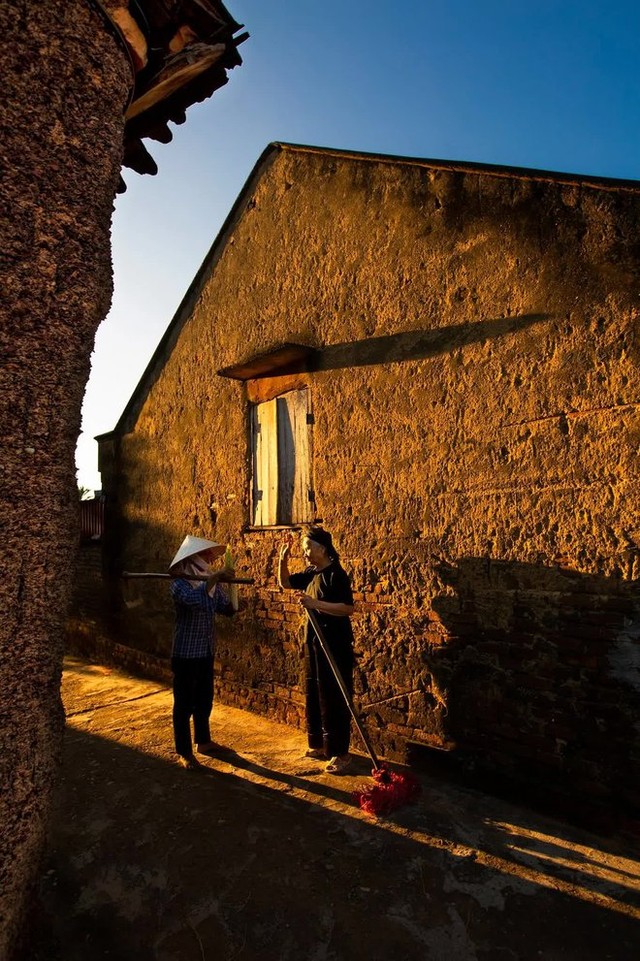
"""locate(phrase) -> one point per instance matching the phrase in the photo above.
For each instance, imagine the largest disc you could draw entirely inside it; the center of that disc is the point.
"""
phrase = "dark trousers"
(328, 717)
(192, 697)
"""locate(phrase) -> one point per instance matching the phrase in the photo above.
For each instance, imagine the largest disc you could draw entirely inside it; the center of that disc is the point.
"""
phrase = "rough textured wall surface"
(476, 431)
(66, 80)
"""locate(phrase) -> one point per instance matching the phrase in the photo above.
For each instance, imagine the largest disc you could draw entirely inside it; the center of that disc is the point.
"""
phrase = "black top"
(330, 584)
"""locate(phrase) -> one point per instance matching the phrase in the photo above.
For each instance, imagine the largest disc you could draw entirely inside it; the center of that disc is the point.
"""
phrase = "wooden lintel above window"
(261, 389)
(287, 359)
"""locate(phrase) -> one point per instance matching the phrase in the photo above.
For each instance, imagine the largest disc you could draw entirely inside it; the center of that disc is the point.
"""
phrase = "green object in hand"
(232, 588)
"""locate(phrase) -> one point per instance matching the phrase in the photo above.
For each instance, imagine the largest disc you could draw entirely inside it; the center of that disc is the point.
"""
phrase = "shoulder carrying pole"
(128, 575)
(343, 687)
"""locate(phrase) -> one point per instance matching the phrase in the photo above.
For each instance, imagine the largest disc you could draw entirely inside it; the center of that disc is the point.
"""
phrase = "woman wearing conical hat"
(196, 601)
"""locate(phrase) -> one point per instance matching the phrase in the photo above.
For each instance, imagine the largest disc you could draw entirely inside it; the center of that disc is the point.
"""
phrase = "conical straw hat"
(194, 545)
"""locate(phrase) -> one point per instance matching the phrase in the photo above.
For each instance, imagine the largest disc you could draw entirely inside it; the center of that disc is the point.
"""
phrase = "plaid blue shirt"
(194, 634)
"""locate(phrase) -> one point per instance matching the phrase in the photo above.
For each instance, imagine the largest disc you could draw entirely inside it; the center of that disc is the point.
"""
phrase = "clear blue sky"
(550, 84)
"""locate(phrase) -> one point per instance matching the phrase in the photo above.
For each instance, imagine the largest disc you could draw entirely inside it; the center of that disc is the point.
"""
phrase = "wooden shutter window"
(294, 462)
(282, 489)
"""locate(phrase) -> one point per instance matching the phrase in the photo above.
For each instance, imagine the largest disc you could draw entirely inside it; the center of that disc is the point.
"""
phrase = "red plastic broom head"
(390, 791)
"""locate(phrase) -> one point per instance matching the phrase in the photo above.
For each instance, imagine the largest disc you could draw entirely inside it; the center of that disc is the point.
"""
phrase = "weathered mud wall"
(476, 430)
(66, 80)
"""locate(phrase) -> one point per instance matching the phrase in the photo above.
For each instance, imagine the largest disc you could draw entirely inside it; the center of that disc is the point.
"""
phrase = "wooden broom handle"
(343, 687)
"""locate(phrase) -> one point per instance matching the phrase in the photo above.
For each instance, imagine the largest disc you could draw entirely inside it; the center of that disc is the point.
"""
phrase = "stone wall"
(67, 81)
(475, 434)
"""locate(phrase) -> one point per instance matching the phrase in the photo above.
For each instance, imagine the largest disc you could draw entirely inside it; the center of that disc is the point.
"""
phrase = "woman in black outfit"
(324, 587)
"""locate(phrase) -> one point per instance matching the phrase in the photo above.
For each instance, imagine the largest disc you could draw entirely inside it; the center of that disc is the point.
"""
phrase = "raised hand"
(286, 545)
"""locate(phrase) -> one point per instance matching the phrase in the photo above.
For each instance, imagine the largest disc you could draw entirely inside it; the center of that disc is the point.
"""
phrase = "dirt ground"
(264, 857)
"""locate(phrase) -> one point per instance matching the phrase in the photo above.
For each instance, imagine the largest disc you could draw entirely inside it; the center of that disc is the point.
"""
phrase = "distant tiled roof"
(180, 51)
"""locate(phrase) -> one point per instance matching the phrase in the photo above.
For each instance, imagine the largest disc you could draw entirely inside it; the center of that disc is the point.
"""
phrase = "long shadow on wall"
(536, 672)
(420, 344)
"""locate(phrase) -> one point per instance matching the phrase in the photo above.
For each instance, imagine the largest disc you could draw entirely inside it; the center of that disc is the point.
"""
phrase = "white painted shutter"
(265, 463)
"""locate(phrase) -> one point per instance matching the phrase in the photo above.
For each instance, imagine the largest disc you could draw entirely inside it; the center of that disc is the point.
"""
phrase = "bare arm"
(283, 564)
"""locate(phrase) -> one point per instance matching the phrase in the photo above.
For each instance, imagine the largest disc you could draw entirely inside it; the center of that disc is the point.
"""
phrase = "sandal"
(338, 765)
(317, 753)
(191, 763)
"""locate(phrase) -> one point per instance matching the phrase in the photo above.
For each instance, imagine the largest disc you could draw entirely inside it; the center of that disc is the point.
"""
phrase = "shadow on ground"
(264, 857)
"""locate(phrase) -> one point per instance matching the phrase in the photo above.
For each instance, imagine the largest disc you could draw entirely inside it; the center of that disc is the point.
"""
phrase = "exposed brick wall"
(476, 424)
(90, 602)
(543, 688)
(526, 671)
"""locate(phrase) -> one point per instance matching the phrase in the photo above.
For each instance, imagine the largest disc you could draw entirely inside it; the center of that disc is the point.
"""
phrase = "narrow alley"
(262, 856)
